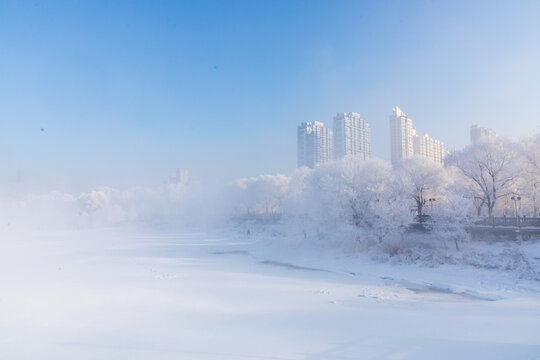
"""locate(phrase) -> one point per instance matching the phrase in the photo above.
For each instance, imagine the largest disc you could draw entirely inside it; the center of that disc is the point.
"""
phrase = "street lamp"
(431, 201)
(516, 199)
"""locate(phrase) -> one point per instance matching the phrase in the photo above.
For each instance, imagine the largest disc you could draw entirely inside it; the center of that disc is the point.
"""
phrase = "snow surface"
(163, 294)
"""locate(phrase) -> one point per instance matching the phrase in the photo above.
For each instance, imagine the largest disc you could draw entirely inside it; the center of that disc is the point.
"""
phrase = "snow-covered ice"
(112, 294)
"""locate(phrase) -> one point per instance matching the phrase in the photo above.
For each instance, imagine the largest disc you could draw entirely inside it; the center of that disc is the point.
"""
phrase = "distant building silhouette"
(405, 142)
(352, 136)
(179, 177)
(315, 144)
(478, 132)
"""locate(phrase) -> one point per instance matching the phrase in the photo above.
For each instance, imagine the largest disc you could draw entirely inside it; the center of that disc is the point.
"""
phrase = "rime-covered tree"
(365, 194)
(529, 182)
(490, 166)
(263, 194)
(424, 180)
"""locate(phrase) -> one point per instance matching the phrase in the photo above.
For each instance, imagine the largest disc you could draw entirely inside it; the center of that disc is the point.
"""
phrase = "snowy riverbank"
(157, 294)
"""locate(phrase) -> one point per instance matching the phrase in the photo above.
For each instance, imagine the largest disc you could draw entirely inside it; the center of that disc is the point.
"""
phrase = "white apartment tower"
(401, 136)
(431, 148)
(478, 132)
(405, 142)
(180, 177)
(352, 136)
(315, 144)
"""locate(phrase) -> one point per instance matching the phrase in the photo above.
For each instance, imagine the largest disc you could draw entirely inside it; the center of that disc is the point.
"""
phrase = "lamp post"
(431, 201)
(516, 199)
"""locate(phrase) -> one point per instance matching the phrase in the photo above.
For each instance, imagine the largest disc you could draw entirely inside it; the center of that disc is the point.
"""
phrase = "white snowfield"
(92, 294)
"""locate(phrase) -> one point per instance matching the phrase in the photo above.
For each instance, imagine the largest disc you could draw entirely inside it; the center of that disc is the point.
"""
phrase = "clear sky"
(128, 91)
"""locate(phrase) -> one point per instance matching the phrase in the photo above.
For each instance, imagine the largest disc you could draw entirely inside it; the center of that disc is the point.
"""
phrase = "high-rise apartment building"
(401, 136)
(179, 177)
(315, 144)
(431, 148)
(478, 132)
(352, 136)
(405, 142)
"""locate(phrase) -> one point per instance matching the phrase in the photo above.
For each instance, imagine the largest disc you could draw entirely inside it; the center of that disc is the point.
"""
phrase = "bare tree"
(467, 189)
(490, 165)
(425, 180)
(529, 184)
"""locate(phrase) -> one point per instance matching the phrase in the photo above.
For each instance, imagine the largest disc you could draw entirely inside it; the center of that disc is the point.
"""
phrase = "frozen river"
(177, 295)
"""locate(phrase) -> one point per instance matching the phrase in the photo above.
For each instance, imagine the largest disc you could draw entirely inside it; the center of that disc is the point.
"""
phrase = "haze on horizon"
(123, 94)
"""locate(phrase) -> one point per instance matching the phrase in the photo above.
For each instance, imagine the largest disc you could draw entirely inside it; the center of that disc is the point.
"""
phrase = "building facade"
(179, 177)
(431, 148)
(401, 136)
(315, 144)
(352, 136)
(405, 142)
(478, 132)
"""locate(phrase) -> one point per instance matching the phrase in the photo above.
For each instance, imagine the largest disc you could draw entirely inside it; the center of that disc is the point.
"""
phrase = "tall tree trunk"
(419, 207)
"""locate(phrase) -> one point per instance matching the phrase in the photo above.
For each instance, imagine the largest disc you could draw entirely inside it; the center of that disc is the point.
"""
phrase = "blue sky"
(128, 91)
